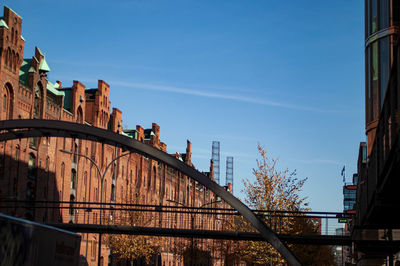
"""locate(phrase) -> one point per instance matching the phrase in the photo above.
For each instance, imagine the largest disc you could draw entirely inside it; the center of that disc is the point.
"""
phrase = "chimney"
(188, 159)
(212, 170)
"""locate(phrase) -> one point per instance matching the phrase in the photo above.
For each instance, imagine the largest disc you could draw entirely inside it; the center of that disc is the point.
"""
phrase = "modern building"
(381, 39)
(60, 170)
(379, 158)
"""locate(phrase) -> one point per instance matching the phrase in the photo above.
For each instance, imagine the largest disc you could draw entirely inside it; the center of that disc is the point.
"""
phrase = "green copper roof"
(3, 23)
(124, 134)
(67, 98)
(52, 89)
(24, 70)
(43, 65)
(129, 133)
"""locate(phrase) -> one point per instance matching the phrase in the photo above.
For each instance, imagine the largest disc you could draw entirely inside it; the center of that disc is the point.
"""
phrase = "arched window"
(79, 115)
(75, 157)
(9, 59)
(113, 196)
(62, 171)
(16, 61)
(32, 166)
(6, 57)
(148, 180)
(12, 65)
(12, 34)
(17, 150)
(7, 101)
(71, 206)
(73, 179)
(37, 101)
(104, 190)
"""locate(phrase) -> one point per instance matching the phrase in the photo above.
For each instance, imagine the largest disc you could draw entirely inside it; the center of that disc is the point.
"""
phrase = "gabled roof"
(43, 65)
(13, 11)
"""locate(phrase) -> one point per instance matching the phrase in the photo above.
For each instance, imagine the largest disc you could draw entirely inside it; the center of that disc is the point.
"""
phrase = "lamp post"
(101, 176)
(192, 218)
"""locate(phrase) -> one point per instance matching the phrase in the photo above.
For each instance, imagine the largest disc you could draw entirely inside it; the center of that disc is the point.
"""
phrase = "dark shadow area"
(28, 191)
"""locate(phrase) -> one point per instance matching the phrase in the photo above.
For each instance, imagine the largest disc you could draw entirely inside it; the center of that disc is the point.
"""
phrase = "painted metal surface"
(26, 128)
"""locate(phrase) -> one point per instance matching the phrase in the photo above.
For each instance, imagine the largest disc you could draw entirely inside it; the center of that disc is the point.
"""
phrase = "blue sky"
(286, 74)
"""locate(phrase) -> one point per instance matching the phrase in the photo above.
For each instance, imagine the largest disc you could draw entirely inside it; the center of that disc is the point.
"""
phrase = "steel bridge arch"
(27, 128)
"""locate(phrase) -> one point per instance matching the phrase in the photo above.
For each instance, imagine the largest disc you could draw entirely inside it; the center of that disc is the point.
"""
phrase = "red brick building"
(36, 170)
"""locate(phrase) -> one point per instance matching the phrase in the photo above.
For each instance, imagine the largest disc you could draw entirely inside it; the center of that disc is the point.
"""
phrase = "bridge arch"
(27, 128)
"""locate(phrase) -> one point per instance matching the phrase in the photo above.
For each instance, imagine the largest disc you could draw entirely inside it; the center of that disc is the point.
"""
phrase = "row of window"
(11, 59)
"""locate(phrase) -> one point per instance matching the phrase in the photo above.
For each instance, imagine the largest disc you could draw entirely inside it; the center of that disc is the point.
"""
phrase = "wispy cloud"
(215, 95)
(317, 161)
(104, 64)
(208, 94)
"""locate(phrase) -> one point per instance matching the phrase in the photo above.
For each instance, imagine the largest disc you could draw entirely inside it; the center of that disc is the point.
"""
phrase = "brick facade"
(36, 170)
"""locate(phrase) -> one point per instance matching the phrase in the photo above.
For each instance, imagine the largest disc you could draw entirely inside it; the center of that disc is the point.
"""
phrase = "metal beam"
(56, 128)
(330, 240)
(204, 234)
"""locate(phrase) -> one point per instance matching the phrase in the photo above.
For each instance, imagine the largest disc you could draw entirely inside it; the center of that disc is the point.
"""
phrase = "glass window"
(367, 18)
(73, 179)
(374, 16)
(113, 196)
(374, 80)
(71, 205)
(384, 55)
(75, 157)
(383, 14)
(368, 76)
(364, 153)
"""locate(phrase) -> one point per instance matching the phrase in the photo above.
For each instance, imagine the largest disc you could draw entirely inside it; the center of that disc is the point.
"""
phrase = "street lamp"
(101, 176)
(192, 218)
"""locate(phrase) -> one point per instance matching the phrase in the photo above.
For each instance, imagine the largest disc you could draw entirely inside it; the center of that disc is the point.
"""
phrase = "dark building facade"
(378, 164)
